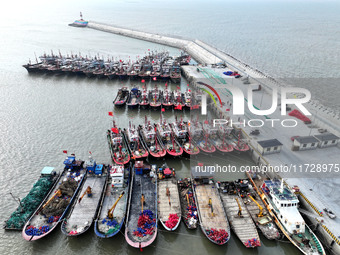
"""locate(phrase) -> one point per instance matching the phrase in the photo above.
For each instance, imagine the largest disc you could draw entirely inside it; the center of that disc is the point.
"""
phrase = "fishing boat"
(183, 137)
(99, 73)
(122, 71)
(187, 98)
(169, 207)
(149, 137)
(238, 144)
(80, 22)
(178, 100)
(32, 68)
(85, 207)
(167, 139)
(134, 143)
(53, 209)
(201, 139)
(239, 218)
(27, 206)
(133, 73)
(145, 72)
(212, 217)
(165, 72)
(113, 205)
(221, 144)
(145, 99)
(122, 97)
(175, 73)
(141, 223)
(156, 97)
(134, 98)
(156, 72)
(168, 98)
(257, 210)
(282, 204)
(118, 148)
(188, 203)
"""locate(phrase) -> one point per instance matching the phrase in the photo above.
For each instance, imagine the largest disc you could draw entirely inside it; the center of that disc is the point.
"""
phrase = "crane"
(87, 191)
(57, 194)
(239, 208)
(110, 212)
(259, 206)
(211, 206)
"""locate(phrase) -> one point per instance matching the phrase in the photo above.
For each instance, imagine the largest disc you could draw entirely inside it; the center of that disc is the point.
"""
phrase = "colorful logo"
(209, 93)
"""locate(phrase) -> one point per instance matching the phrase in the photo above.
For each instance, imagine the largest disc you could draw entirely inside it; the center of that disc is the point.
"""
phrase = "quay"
(317, 190)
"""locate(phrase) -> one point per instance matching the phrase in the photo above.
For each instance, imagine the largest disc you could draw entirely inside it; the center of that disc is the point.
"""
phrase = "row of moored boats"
(154, 66)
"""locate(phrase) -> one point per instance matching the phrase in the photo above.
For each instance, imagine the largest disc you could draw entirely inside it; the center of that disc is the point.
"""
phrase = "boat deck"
(164, 208)
(111, 196)
(209, 221)
(141, 185)
(83, 213)
(265, 223)
(243, 227)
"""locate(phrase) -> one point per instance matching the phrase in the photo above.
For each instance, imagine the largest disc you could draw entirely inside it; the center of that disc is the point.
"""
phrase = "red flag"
(188, 84)
(154, 78)
(177, 87)
(143, 81)
(153, 61)
(227, 110)
(178, 107)
(90, 152)
(189, 90)
(110, 113)
(148, 49)
(163, 110)
(65, 152)
(115, 130)
(200, 164)
(206, 122)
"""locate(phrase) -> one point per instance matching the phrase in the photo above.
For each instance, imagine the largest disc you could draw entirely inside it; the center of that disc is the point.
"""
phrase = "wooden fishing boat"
(285, 205)
(148, 136)
(122, 97)
(85, 207)
(168, 98)
(169, 207)
(141, 223)
(134, 98)
(212, 217)
(113, 205)
(188, 203)
(53, 209)
(167, 138)
(27, 206)
(136, 146)
(257, 210)
(145, 99)
(118, 147)
(240, 220)
(156, 97)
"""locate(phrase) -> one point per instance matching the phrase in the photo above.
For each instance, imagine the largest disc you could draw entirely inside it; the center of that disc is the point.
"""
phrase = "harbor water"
(42, 115)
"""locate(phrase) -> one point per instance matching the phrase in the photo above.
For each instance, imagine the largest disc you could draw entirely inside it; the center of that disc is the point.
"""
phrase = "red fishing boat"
(221, 143)
(178, 99)
(118, 147)
(187, 98)
(189, 146)
(168, 98)
(155, 98)
(238, 144)
(149, 137)
(145, 99)
(202, 139)
(135, 145)
(166, 136)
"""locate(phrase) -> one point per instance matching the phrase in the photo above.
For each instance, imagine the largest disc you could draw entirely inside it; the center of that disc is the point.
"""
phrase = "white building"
(269, 146)
(327, 140)
(306, 143)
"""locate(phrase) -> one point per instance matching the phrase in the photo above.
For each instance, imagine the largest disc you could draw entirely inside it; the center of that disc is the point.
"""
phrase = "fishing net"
(29, 204)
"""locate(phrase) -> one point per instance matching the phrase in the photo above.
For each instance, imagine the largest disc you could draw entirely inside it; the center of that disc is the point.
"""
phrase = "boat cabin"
(201, 174)
(48, 171)
(90, 164)
(117, 176)
(71, 163)
(141, 168)
(285, 204)
(269, 146)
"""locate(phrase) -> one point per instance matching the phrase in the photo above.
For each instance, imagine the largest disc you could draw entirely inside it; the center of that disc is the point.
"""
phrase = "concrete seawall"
(197, 52)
